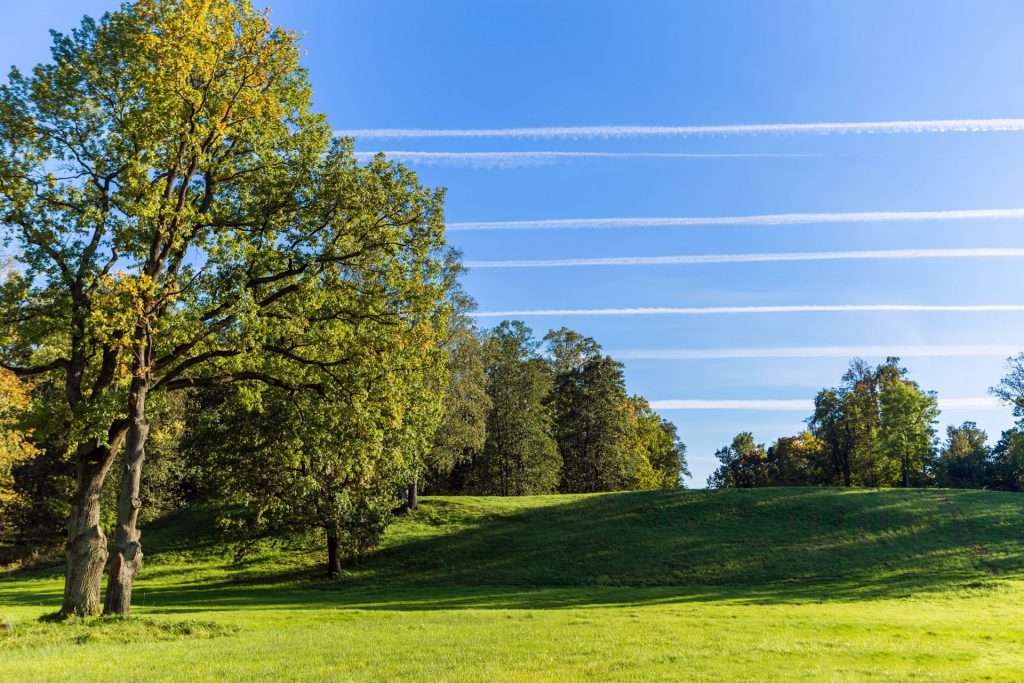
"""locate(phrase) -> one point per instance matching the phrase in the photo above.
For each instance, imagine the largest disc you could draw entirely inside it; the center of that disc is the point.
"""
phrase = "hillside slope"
(863, 541)
(771, 584)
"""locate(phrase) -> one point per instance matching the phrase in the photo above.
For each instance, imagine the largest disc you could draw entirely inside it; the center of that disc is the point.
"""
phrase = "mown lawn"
(775, 584)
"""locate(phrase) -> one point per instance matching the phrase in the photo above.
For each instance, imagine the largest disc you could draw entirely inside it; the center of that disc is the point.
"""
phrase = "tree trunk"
(333, 558)
(906, 473)
(86, 550)
(127, 557)
(413, 500)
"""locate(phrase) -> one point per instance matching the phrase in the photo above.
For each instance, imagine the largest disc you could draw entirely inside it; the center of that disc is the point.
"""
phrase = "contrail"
(518, 159)
(697, 259)
(761, 219)
(805, 405)
(903, 351)
(862, 127)
(729, 310)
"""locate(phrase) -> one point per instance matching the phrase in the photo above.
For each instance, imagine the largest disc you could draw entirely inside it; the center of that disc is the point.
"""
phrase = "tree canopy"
(182, 219)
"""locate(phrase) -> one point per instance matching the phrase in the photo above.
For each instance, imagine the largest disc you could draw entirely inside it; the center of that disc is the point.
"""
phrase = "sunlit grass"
(780, 584)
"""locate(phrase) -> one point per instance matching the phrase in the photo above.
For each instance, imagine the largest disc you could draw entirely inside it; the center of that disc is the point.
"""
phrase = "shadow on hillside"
(766, 546)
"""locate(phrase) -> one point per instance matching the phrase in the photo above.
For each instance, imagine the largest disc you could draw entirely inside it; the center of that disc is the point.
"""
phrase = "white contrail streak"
(761, 220)
(806, 405)
(518, 159)
(903, 351)
(698, 259)
(862, 127)
(727, 310)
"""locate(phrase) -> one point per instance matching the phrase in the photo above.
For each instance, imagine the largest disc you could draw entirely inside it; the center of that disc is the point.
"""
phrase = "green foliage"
(588, 403)
(517, 402)
(877, 427)
(1006, 471)
(520, 456)
(907, 416)
(462, 434)
(1011, 387)
(297, 463)
(798, 461)
(744, 465)
(659, 457)
(183, 220)
(963, 460)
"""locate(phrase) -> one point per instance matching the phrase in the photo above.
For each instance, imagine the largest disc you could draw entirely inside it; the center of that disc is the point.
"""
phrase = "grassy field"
(771, 584)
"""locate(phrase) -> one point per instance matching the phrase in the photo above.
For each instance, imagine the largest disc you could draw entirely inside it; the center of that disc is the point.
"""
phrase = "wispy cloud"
(901, 350)
(858, 127)
(760, 219)
(735, 310)
(519, 159)
(806, 405)
(697, 259)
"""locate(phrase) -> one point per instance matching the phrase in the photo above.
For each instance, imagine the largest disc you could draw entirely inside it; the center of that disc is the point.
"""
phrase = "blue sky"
(473, 64)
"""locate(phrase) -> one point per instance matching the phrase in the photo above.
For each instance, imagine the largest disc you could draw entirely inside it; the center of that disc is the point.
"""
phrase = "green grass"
(772, 584)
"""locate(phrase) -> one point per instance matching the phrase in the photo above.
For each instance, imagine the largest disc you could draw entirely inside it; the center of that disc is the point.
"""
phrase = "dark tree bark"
(413, 498)
(127, 558)
(86, 549)
(333, 556)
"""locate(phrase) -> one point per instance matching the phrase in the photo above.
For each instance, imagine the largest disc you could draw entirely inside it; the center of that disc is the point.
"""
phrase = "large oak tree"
(181, 219)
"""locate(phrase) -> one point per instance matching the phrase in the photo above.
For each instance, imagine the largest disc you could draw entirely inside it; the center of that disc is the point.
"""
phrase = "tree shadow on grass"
(757, 547)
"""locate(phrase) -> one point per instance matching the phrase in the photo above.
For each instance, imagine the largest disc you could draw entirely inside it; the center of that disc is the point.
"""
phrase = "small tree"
(964, 459)
(744, 465)
(659, 457)
(833, 424)
(800, 460)
(293, 463)
(907, 433)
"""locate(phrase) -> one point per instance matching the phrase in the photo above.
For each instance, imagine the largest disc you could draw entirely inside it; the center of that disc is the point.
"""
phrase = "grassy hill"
(786, 584)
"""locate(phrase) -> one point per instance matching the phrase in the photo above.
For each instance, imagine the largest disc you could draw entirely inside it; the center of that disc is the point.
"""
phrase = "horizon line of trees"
(877, 428)
(527, 416)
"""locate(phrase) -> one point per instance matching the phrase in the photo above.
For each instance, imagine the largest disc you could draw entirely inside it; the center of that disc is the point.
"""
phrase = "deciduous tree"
(520, 456)
(183, 220)
(963, 460)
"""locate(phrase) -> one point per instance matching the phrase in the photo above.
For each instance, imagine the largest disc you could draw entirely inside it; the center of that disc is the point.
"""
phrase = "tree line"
(877, 428)
(527, 416)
